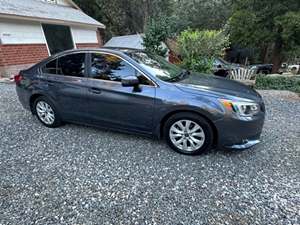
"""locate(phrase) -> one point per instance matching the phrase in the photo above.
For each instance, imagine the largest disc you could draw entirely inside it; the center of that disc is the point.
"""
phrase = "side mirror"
(131, 81)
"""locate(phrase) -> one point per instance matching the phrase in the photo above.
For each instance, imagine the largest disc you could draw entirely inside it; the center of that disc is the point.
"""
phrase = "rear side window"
(51, 67)
(69, 65)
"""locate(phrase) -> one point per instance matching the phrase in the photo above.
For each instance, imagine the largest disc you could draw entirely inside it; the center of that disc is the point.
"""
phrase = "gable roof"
(128, 41)
(46, 12)
(73, 4)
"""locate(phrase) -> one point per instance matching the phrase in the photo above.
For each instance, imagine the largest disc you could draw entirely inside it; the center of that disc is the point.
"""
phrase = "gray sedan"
(136, 92)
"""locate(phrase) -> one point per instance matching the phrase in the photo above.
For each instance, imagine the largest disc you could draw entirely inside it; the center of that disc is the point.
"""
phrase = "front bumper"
(246, 145)
(239, 134)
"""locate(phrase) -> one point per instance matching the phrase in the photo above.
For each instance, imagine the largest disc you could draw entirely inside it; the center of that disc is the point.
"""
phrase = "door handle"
(95, 90)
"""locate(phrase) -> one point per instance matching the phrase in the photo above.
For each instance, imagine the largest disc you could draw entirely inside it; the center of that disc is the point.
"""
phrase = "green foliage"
(271, 28)
(278, 83)
(157, 32)
(199, 48)
(246, 29)
(290, 32)
(265, 24)
(132, 16)
(201, 14)
(126, 16)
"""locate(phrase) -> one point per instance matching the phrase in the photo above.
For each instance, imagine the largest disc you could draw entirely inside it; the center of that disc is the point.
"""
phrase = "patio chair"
(244, 75)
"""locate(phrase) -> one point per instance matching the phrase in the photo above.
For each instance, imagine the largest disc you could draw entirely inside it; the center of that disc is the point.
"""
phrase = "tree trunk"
(277, 55)
(146, 11)
(264, 54)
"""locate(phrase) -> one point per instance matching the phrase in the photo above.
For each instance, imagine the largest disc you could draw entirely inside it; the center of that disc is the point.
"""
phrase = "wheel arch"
(32, 100)
(35, 96)
(168, 115)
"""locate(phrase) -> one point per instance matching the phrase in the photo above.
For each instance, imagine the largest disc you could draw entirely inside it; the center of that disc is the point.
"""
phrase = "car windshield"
(157, 66)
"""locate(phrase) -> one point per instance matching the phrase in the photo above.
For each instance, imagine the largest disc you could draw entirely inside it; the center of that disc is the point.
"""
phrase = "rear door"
(111, 104)
(67, 85)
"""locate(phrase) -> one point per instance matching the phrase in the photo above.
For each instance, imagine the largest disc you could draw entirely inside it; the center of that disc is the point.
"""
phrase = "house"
(31, 30)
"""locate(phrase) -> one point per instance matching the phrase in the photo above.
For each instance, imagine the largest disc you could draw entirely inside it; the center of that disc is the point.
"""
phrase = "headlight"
(244, 109)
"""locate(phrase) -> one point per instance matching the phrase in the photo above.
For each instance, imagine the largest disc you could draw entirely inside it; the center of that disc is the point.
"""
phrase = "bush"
(200, 48)
(278, 83)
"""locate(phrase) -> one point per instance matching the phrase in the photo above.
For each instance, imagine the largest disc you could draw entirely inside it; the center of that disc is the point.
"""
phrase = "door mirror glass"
(130, 81)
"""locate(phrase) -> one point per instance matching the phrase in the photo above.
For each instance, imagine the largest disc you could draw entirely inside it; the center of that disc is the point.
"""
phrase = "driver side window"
(113, 68)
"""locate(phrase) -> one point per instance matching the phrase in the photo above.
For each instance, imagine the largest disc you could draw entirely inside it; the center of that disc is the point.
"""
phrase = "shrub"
(278, 83)
(199, 48)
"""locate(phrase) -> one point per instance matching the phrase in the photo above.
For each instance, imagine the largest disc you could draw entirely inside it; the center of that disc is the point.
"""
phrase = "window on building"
(58, 37)
(113, 68)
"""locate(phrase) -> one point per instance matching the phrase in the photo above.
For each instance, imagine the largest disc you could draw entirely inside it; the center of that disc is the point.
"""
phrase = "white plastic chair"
(244, 75)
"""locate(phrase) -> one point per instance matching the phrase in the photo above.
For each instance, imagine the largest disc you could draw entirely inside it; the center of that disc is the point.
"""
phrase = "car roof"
(83, 50)
(113, 50)
(104, 49)
(125, 50)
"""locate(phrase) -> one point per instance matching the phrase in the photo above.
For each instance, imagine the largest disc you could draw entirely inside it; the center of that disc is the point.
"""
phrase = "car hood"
(217, 86)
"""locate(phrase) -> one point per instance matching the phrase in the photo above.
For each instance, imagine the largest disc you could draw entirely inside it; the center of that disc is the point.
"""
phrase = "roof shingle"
(43, 10)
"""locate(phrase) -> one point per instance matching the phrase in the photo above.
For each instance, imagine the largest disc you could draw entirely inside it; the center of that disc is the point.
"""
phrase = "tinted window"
(112, 68)
(71, 65)
(50, 67)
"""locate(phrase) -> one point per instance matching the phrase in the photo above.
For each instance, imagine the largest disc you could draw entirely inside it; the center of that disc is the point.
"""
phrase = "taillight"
(18, 78)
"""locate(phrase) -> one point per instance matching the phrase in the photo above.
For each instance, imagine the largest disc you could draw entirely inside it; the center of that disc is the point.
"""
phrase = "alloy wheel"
(187, 135)
(45, 112)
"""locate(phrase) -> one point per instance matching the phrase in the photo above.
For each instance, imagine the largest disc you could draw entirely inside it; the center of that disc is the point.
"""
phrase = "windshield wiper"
(180, 76)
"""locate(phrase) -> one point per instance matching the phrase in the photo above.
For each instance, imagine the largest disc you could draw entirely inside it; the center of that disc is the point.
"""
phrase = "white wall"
(82, 35)
(19, 32)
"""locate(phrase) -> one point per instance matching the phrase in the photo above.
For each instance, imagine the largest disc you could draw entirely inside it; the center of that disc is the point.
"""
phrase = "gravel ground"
(81, 175)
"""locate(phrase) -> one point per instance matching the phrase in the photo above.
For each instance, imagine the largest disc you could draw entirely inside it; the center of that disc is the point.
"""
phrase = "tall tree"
(202, 14)
(126, 16)
(156, 32)
(262, 24)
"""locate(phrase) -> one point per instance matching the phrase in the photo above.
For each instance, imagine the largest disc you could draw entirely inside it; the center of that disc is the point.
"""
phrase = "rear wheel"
(188, 133)
(46, 112)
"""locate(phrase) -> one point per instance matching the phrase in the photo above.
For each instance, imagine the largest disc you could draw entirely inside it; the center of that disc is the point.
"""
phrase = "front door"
(111, 104)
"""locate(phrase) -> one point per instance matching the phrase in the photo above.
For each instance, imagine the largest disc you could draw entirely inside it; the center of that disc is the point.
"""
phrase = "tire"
(43, 109)
(204, 134)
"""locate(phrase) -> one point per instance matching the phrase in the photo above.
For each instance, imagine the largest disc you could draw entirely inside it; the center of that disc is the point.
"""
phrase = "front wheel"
(188, 133)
